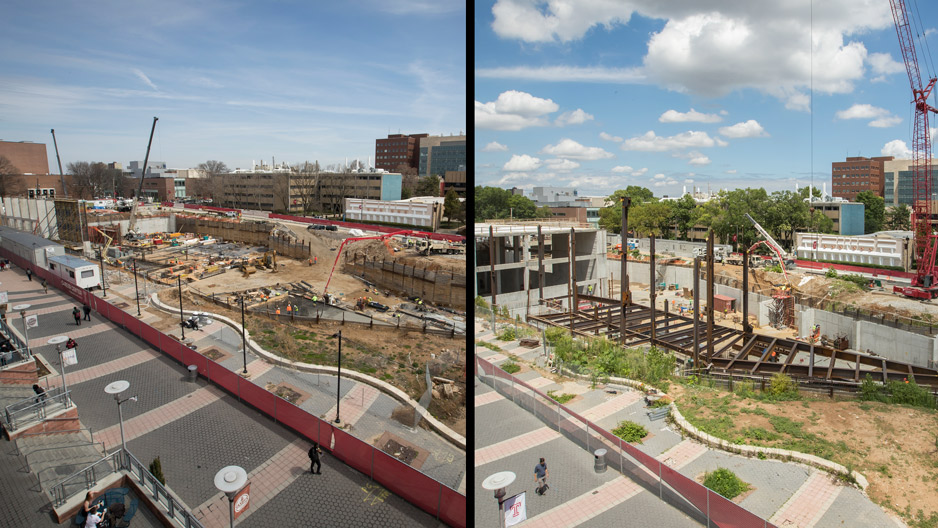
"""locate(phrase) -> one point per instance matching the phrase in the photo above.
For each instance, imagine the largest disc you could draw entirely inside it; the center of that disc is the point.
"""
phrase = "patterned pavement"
(195, 429)
(785, 494)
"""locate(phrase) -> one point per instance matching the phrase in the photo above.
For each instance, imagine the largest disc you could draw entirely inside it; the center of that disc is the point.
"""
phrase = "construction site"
(398, 295)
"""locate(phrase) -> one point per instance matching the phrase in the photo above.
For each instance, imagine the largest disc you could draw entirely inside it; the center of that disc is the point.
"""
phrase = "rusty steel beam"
(710, 294)
(742, 352)
(765, 354)
(540, 264)
(791, 356)
(624, 293)
(696, 313)
(652, 286)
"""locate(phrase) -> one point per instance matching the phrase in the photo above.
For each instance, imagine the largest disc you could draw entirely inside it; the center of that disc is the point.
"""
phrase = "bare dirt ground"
(893, 446)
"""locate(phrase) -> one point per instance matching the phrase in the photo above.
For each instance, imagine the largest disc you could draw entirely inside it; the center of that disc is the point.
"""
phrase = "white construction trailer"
(78, 271)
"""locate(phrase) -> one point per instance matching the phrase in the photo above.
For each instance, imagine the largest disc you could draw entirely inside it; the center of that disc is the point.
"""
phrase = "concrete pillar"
(540, 265)
(494, 280)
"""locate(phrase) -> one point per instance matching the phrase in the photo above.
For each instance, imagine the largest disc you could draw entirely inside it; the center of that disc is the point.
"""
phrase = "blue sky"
(600, 94)
(232, 81)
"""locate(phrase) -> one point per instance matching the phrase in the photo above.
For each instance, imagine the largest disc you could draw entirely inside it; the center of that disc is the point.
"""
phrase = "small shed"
(724, 303)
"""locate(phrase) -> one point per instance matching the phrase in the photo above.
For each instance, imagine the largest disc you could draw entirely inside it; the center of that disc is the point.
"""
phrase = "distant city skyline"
(665, 94)
(294, 81)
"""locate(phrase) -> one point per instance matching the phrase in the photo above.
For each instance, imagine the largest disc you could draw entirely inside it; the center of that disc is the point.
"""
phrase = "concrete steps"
(53, 458)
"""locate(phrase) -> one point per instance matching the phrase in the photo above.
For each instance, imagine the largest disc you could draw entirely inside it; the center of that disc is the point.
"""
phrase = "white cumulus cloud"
(494, 146)
(699, 160)
(576, 117)
(689, 181)
(610, 137)
(710, 47)
(513, 110)
(560, 164)
(730, 171)
(882, 64)
(622, 168)
(747, 129)
(658, 176)
(522, 163)
(896, 148)
(568, 148)
(650, 142)
(673, 116)
(880, 117)
(640, 171)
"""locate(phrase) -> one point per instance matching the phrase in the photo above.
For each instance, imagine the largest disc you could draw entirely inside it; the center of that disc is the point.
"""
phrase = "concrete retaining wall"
(437, 286)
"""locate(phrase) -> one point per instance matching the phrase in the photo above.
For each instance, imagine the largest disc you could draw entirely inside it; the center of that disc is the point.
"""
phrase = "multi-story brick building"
(439, 154)
(26, 156)
(857, 174)
(397, 150)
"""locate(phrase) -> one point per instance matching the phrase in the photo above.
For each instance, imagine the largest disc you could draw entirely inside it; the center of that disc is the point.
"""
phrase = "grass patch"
(725, 482)
(511, 367)
(491, 346)
(630, 431)
(561, 398)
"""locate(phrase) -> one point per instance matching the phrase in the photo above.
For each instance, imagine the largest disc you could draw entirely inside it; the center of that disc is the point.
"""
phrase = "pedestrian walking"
(45, 286)
(87, 310)
(314, 453)
(29, 274)
(76, 313)
(40, 394)
(540, 478)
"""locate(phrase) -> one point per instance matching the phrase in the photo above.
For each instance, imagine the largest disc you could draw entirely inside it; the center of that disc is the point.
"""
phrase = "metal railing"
(6, 329)
(54, 448)
(121, 460)
(38, 409)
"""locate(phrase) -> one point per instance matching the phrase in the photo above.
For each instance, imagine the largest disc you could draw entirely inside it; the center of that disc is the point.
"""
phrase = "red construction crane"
(384, 238)
(924, 283)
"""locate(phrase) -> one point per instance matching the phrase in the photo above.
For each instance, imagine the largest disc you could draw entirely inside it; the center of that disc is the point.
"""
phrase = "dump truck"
(432, 247)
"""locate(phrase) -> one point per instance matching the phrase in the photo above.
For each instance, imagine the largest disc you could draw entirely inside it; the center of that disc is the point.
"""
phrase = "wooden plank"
(856, 377)
(884, 372)
(830, 368)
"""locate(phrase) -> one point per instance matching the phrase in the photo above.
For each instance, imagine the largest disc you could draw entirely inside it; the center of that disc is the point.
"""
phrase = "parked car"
(332, 228)
(378, 306)
(315, 227)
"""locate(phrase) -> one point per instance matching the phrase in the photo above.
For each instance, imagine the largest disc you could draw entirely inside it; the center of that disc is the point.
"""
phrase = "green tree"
(899, 217)
(874, 211)
(428, 186)
(610, 218)
(521, 207)
(494, 203)
(685, 214)
(451, 204)
(651, 218)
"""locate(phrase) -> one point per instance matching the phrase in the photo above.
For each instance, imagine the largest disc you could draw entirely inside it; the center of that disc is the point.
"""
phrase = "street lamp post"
(116, 389)
(230, 480)
(497, 483)
(182, 324)
(338, 385)
(136, 292)
(57, 341)
(103, 282)
(244, 345)
(21, 308)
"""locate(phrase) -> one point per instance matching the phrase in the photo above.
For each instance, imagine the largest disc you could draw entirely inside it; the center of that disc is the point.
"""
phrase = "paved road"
(783, 492)
(195, 429)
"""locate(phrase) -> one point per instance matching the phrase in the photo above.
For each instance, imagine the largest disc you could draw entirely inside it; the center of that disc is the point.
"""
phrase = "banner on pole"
(70, 357)
(32, 321)
(515, 511)
(4, 298)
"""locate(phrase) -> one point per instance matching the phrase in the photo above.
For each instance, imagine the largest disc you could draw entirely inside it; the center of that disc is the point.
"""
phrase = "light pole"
(181, 323)
(103, 282)
(497, 483)
(21, 308)
(230, 480)
(136, 292)
(338, 385)
(244, 345)
(57, 341)
(116, 389)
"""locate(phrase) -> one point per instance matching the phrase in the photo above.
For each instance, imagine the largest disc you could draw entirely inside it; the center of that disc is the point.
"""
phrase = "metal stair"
(53, 458)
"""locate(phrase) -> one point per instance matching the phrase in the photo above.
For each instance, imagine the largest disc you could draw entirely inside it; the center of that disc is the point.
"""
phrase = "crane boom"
(143, 174)
(769, 241)
(57, 158)
(921, 160)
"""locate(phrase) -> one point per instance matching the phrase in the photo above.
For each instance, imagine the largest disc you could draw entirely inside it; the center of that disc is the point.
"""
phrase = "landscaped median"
(399, 395)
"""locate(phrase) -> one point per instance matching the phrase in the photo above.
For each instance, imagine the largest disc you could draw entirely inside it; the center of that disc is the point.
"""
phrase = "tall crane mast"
(924, 282)
(146, 159)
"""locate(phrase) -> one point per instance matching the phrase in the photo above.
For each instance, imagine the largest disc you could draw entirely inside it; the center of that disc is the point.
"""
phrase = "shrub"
(782, 387)
(156, 469)
(511, 367)
(725, 482)
(630, 431)
(561, 398)
(508, 334)
(663, 402)
(775, 268)
(831, 273)
(480, 303)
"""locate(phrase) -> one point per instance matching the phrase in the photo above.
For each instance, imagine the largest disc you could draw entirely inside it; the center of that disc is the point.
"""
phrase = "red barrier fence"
(722, 512)
(856, 269)
(399, 478)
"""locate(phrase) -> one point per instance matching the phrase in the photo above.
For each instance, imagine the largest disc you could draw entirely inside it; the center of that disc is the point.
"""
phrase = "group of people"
(76, 313)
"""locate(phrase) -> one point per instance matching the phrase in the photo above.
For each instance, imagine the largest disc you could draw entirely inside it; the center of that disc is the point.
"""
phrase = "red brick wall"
(27, 157)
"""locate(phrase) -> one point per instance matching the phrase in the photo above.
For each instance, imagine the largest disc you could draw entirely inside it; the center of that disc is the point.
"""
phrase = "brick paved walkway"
(195, 429)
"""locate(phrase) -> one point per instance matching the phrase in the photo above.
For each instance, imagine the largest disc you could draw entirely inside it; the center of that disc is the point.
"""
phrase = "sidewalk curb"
(399, 395)
(746, 450)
